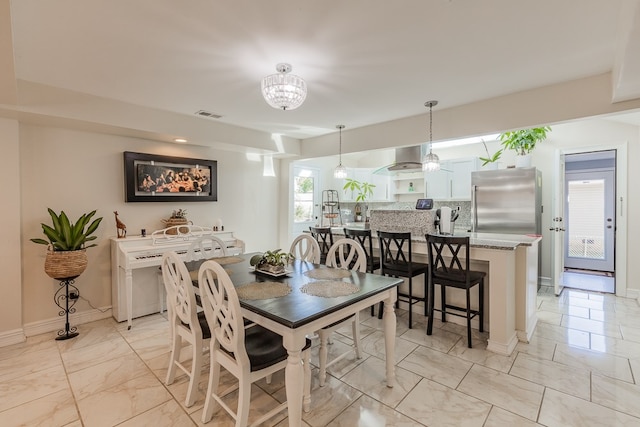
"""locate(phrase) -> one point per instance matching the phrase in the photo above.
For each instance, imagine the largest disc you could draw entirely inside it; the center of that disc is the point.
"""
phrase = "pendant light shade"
(283, 90)
(340, 171)
(430, 162)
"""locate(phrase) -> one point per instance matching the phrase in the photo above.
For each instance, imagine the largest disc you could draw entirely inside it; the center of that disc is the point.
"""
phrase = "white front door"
(591, 220)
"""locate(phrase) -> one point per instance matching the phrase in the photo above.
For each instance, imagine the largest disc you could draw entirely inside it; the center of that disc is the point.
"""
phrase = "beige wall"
(11, 305)
(80, 171)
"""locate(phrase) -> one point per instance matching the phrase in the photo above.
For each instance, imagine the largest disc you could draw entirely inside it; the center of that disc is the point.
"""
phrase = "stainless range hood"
(408, 159)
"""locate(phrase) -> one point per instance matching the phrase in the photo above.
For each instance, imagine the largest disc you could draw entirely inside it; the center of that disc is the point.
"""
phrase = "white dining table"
(299, 314)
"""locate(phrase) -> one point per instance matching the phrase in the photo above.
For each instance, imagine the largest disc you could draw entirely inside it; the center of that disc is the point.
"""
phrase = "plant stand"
(62, 297)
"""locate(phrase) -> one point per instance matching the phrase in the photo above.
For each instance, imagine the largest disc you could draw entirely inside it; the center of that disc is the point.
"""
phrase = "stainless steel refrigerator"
(506, 201)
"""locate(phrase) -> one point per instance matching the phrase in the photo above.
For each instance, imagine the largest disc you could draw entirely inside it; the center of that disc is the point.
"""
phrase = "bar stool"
(324, 237)
(455, 274)
(396, 262)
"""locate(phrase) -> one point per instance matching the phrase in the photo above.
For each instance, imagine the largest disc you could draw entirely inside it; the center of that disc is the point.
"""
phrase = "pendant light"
(340, 172)
(430, 162)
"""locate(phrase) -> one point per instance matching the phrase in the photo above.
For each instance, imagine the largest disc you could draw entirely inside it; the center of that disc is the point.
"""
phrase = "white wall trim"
(621, 209)
(57, 323)
(12, 337)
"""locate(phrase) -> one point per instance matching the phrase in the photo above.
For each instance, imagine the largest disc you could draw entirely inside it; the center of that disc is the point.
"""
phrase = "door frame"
(621, 208)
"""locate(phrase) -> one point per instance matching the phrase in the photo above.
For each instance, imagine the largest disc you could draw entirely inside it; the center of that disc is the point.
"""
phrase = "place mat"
(227, 260)
(330, 289)
(327, 273)
(263, 290)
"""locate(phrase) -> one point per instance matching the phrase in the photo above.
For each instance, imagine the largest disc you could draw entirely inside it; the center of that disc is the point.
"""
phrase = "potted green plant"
(490, 159)
(364, 190)
(523, 142)
(272, 262)
(66, 241)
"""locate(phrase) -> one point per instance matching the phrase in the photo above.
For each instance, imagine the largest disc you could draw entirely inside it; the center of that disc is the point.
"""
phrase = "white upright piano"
(135, 265)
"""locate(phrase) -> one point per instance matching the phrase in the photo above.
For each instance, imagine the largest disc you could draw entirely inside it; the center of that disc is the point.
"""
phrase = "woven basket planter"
(173, 222)
(61, 265)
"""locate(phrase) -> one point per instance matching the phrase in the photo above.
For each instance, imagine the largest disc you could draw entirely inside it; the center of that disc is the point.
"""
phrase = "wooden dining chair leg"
(431, 290)
(212, 389)
(244, 400)
(481, 304)
(469, 317)
(410, 302)
(196, 367)
(176, 346)
(443, 298)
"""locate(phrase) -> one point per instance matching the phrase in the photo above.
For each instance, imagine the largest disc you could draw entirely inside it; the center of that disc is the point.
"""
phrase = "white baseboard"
(634, 293)
(57, 323)
(545, 281)
(14, 336)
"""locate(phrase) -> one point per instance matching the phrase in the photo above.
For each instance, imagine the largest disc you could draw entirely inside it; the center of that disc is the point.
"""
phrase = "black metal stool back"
(397, 261)
(449, 267)
(324, 237)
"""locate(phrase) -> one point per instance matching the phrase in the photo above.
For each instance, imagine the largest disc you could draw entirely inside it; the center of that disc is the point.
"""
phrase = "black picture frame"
(155, 178)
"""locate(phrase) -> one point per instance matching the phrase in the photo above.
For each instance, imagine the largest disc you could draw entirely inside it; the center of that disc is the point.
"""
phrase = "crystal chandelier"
(340, 171)
(430, 162)
(283, 90)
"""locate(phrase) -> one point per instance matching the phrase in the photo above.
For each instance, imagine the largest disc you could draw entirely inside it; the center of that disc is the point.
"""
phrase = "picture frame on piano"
(156, 178)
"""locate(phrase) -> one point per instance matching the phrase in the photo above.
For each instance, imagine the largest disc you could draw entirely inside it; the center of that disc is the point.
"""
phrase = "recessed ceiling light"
(182, 140)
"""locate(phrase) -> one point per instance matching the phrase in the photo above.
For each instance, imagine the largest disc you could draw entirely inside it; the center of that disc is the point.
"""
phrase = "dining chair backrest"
(324, 237)
(206, 247)
(306, 248)
(181, 298)
(222, 308)
(364, 238)
(347, 254)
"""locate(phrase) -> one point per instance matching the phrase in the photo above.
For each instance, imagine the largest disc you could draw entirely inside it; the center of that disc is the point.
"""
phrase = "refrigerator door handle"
(474, 208)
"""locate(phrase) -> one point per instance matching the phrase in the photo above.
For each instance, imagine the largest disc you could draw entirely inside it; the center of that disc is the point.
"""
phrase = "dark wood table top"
(299, 308)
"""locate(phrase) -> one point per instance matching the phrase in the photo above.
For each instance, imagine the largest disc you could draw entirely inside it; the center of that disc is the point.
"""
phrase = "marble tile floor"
(581, 368)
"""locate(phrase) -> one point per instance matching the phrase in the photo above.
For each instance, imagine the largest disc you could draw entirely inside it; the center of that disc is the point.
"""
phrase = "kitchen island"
(511, 264)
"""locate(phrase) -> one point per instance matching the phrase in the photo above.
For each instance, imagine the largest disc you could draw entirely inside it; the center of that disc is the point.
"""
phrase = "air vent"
(208, 114)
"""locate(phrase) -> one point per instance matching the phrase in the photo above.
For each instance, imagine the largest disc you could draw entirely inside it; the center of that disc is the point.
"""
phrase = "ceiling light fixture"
(283, 90)
(430, 162)
(340, 172)
(180, 140)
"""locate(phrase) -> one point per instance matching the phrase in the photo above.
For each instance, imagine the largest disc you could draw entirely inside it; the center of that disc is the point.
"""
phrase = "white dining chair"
(306, 248)
(206, 247)
(185, 323)
(248, 352)
(346, 254)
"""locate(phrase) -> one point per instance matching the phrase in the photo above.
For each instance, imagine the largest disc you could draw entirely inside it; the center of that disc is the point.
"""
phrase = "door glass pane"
(303, 199)
(586, 217)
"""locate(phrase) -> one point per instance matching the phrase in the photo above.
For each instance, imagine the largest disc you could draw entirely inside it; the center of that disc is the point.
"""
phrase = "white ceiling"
(365, 61)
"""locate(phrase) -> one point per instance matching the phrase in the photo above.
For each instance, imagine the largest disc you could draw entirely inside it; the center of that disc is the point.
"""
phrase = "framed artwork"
(153, 178)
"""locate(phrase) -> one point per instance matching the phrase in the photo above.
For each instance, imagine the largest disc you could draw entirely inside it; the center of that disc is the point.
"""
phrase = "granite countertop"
(478, 240)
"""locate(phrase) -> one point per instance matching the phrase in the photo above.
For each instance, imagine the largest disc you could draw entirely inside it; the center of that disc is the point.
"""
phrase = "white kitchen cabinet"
(452, 181)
